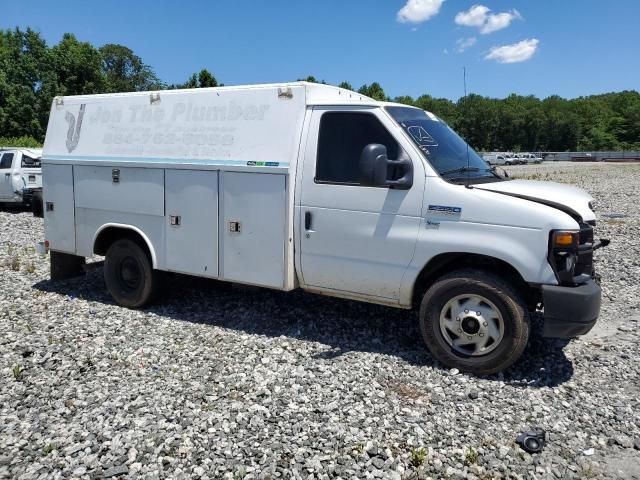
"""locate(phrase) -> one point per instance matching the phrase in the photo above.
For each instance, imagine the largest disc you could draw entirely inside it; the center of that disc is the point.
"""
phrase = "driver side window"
(6, 161)
(342, 137)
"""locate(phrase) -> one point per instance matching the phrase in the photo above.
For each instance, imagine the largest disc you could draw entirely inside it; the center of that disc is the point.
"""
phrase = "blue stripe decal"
(197, 161)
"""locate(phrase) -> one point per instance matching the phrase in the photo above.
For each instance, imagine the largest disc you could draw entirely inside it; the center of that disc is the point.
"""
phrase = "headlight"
(563, 250)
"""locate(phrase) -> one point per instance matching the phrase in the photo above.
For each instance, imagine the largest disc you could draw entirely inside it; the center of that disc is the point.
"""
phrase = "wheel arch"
(450, 261)
(110, 232)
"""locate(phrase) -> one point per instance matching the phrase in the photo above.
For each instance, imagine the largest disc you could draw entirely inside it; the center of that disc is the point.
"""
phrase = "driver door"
(353, 238)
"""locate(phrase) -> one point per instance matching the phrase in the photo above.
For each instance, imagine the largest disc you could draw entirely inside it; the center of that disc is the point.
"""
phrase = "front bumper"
(570, 311)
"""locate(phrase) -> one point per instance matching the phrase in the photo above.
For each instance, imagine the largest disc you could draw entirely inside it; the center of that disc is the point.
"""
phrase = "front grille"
(584, 262)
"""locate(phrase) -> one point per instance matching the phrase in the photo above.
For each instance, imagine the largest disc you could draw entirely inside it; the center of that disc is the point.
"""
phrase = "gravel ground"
(220, 382)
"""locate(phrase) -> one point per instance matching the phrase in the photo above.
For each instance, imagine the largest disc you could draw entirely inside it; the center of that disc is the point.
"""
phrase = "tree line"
(32, 73)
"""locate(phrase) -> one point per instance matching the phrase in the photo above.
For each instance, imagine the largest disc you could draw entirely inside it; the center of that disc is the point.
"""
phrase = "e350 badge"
(442, 212)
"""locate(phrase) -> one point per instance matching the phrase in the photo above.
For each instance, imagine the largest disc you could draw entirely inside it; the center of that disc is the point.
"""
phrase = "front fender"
(525, 249)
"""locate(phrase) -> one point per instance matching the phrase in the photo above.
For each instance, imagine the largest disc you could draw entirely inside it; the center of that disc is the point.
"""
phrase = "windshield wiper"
(460, 170)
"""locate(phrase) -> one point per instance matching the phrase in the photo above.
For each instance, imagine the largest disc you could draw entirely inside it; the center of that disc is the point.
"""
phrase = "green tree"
(77, 66)
(405, 99)
(125, 71)
(204, 79)
(374, 91)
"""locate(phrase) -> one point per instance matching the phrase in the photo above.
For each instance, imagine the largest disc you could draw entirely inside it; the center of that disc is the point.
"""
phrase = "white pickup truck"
(21, 177)
(310, 186)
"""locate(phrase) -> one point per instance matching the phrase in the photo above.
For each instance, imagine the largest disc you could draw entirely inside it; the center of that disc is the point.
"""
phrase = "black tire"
(36, 205)
(514, 312)
(129, 274)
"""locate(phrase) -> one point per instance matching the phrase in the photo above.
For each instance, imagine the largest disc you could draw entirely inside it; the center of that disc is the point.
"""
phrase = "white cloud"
(418, 11)
(479, 16)
(463, 43)
(476, 16)
(499, 21)
(514, 53)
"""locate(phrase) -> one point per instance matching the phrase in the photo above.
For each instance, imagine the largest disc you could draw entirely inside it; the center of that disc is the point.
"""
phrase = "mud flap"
(66, 265)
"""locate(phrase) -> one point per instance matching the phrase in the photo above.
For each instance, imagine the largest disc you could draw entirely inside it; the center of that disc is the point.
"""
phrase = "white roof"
(315, 93)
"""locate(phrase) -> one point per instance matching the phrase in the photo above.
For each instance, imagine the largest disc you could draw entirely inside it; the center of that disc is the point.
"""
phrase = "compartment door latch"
(235, 227)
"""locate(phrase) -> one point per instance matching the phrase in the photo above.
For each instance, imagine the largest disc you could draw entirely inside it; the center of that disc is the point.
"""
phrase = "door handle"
(307, 220)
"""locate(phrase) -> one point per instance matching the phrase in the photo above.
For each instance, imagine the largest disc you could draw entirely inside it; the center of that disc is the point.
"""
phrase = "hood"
(564, 197)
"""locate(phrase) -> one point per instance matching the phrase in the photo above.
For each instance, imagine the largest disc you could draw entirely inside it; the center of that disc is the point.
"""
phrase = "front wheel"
(129, 274)
(474, 321)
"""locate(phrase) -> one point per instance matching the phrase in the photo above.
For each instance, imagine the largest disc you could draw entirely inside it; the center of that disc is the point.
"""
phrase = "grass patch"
(14, 263)
(17, 372)
(470, 457)
(417, 457)
(48, 448)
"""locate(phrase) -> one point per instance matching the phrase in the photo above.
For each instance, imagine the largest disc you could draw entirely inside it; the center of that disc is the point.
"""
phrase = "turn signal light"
(565, 239)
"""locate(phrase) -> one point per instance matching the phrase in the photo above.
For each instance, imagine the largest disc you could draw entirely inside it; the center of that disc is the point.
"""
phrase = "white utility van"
(310, 186)
(21, 177)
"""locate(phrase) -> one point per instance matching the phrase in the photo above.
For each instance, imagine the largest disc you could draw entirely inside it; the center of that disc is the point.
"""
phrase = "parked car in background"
(21, 177)
(519, 159)
(532, 158)
(511, 159)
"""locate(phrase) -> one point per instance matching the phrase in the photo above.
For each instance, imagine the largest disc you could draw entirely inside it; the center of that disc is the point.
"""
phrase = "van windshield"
(447, 153)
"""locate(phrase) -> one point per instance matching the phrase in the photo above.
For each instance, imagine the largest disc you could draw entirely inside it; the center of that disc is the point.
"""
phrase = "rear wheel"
(129, 274)
(474, 321)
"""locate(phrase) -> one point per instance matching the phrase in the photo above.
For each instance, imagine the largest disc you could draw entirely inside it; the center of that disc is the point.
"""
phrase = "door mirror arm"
(403, 164)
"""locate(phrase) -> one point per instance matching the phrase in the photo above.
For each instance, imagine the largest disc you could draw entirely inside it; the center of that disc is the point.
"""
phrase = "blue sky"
(565, 47)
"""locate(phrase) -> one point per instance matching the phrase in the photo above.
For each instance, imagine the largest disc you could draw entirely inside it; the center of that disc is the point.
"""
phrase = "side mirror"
(375, 168)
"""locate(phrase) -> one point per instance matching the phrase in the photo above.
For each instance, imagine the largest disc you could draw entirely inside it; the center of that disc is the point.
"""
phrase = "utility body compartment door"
(253, 228)
(120, 189)
(191, 226)
(352, 238)
(59, 212)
